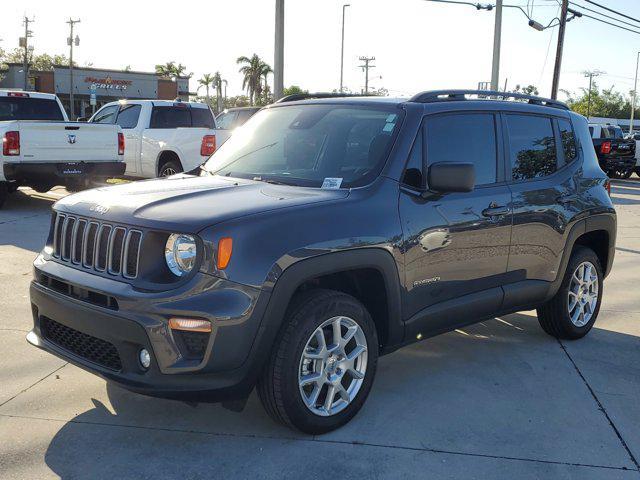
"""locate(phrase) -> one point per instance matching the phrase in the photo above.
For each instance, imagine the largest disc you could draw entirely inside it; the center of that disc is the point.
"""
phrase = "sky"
(418, 45)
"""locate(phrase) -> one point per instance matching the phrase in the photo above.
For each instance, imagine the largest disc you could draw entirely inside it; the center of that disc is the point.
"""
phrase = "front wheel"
(322, 365)
(571, 313)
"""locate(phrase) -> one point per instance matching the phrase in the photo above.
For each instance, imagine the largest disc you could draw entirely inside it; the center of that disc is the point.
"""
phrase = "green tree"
(528, 90)
(172, 70)
(42, 62)
(237, 101)
(255, 71)
(206, 81)
(603, 103)
(293, 90)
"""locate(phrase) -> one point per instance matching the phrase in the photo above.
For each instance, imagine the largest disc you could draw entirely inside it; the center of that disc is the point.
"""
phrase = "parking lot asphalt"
(496, 400)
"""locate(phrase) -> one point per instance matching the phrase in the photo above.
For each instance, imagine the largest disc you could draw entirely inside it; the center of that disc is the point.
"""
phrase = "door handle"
(496, 210)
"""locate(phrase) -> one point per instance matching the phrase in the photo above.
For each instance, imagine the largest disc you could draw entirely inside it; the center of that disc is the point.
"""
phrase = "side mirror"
(82, 119)
(451, 177)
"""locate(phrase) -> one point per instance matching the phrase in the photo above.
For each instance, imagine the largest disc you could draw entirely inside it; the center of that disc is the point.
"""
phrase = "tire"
(278, 387)
(626, 173)
(170, 168)
(554, 316)
(42, 187)
(4, 193)
(620, 173)
(77, 185)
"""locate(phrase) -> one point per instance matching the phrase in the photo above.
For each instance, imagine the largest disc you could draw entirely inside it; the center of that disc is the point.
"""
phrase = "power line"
(612, 24)
(612, 11)
(602, 14)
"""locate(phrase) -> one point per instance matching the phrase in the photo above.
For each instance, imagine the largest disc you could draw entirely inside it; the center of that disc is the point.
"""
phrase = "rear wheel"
(170, 168)
(571, 313)
(620, 172)
(323, 363)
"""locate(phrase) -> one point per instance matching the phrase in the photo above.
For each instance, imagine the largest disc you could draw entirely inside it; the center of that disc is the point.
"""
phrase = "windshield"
(310, 145)
(21, 108)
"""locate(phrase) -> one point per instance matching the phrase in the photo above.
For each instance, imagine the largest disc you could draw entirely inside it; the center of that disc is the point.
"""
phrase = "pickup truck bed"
(616, 155)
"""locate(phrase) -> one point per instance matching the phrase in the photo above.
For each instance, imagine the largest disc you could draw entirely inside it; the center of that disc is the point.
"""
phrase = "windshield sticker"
(331, 183)
(391, 118)
(388, 127)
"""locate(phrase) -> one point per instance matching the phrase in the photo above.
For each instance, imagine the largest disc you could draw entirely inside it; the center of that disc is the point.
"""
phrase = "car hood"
(188, 203)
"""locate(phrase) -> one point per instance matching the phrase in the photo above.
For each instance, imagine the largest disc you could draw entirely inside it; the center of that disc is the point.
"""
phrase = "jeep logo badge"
(72, 139)
(101, 209)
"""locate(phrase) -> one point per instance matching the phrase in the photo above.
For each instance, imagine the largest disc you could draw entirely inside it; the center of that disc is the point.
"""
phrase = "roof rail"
(433, 96)
(305, 96)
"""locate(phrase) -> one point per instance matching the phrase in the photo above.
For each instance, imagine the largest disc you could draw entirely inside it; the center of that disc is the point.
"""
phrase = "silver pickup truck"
(41, 148)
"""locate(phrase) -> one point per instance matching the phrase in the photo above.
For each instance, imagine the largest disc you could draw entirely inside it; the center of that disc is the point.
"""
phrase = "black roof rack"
(305, 96)
(433, 96)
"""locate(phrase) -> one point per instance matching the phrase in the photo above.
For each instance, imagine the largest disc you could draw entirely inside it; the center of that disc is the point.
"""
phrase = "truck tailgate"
(68, 142)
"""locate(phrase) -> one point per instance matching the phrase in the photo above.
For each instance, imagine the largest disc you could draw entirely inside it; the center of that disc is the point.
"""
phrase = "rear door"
(542, 155)
(457, 244)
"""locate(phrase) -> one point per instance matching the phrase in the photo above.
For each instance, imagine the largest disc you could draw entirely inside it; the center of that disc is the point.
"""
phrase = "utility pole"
(278, 63)
(558, 64)
(365, 69)
(590, 75)
(497, 34)
(633, 97)
(24, 42)
(71, 41)
(342, 48)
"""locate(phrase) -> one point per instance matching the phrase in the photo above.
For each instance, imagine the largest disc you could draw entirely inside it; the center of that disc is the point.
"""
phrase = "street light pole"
(497, 34)
(342, 47)
(70, 42)
(278, 63)
(633, 97)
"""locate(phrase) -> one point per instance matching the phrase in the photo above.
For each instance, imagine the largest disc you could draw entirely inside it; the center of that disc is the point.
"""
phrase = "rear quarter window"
(568, 139)
(532, 146)
(170, 117)
(202, 117)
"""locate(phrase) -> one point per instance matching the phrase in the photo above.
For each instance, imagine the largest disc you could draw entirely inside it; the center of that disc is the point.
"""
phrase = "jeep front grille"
(97, 246)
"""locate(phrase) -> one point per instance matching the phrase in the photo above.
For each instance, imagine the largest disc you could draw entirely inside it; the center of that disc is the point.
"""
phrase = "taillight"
(208, 145)
(120, 143)
(17, 94)
(11, 144)
(605, 148)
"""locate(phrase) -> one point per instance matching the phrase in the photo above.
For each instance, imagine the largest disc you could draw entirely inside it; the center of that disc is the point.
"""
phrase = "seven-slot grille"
(95, 245)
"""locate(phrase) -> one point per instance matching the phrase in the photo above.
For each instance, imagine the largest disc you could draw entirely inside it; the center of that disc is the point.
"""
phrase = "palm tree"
(254, 70)
(171, 70)
(217, 83)
(206, 81)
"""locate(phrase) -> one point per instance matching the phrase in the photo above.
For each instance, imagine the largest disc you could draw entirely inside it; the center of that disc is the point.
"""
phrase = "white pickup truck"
(41, 148)
(163, 137)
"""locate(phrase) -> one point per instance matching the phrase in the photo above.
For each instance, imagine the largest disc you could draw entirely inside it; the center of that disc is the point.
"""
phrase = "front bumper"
(42, 173)
(224, 372)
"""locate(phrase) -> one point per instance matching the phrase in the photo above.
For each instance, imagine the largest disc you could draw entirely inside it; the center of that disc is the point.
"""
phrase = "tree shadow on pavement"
(498, 389)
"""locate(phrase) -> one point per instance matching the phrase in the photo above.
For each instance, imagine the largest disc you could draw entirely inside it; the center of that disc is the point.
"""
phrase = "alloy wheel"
(583, 294)
(333, 366)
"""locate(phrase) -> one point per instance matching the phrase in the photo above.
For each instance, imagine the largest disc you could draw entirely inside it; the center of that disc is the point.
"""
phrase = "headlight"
(180, 253)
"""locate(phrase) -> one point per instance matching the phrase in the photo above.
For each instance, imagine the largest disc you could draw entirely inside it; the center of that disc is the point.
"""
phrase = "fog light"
(145, 358)
(190, 324)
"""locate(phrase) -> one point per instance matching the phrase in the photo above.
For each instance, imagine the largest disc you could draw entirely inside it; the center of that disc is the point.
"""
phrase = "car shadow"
(456, 392)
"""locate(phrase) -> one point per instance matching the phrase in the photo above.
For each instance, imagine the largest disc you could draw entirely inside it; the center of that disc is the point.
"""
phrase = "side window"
(466, 137)
(568, 138)
(201, 117)
(128, 116)
(106, 115)
(243, 116)
(225, 120)
(591, 131)
(532, 146)
(170, 117)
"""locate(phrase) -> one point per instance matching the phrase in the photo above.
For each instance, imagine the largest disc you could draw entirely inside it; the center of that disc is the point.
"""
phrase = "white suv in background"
(162, 137)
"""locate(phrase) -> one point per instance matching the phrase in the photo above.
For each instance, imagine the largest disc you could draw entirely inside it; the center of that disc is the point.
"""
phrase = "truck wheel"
(323, 363)
(170, 168)
(77, 185)
(571, 313)
(4, 193)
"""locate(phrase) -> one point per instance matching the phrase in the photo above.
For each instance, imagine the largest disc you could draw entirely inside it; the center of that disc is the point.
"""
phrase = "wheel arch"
(167, 156)
(350, 272)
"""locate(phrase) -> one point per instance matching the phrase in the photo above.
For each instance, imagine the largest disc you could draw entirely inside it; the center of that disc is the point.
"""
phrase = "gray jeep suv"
(327, 232)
